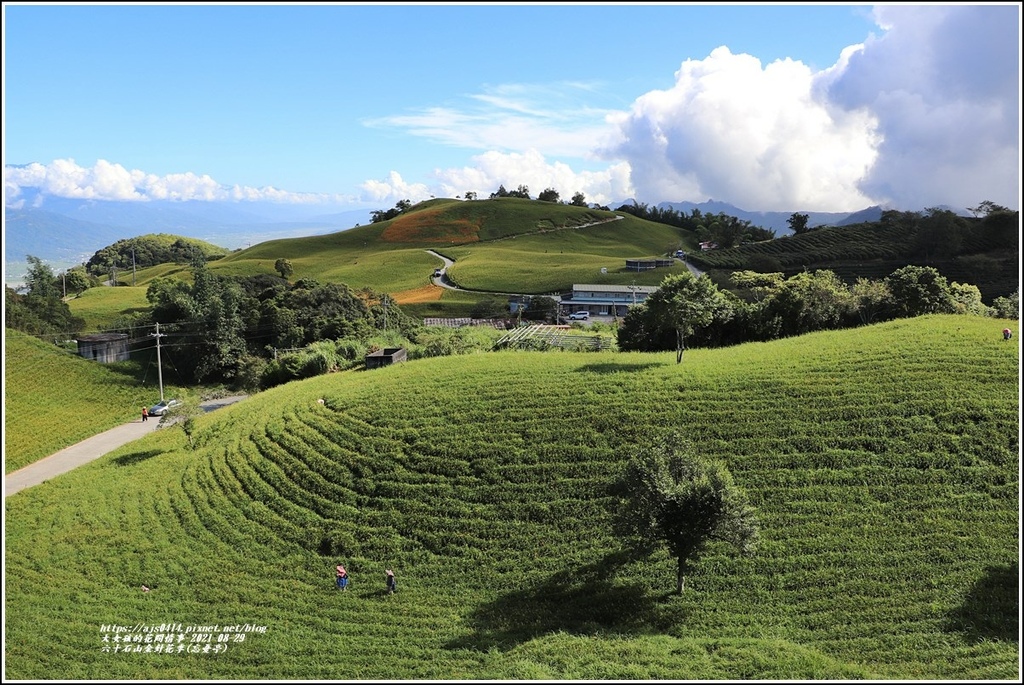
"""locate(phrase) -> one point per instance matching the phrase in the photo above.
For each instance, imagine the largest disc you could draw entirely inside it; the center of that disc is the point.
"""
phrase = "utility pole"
(159, 368)
(133, 266)
(64, 280)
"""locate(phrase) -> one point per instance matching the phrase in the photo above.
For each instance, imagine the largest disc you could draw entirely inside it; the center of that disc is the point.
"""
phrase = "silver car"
(162, 407)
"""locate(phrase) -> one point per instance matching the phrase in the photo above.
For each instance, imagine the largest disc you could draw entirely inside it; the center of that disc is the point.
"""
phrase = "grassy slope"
(101, 306)
(505, 245)
(53, 398)
(883, 461)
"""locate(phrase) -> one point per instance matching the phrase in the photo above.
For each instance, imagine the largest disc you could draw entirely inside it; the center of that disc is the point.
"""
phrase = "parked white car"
(579, 316)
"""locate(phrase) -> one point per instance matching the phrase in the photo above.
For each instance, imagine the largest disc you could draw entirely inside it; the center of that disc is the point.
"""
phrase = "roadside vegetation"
(54, 398)
(882, 462)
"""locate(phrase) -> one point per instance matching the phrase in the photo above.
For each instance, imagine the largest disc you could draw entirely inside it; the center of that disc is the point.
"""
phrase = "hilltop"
(883, 462)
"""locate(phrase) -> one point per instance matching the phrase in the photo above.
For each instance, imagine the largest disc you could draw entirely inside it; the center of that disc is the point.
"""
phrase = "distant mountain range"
(777, 221)
(64, 232)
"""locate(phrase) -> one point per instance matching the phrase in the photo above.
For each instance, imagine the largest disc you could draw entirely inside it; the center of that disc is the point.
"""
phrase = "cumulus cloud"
(107, 181)
(943, 83)
(758, 137)
(925, 115)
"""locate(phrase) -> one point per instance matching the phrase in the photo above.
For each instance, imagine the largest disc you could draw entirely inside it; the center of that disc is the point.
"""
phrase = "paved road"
(91, 449)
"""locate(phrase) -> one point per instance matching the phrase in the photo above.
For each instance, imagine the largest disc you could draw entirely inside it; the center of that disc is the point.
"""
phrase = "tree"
(1007, 307)
(918, 290)
(940, 233)
(798, 222)
(986, 207)
(578, 200)
(685, 302)
(674, 496)
(75, 281)
(40, 279)
(284, 267)
(549, 195)
(871, 299)
(470, 194)
(400, 207)
(184, 415)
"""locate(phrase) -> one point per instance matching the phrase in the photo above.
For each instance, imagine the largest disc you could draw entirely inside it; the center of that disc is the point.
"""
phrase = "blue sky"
(770, 107)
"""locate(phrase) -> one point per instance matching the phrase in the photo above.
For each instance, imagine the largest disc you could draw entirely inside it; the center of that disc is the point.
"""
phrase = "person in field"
(145, 414)
(342, 577)
(1007, 334)
(389, 581)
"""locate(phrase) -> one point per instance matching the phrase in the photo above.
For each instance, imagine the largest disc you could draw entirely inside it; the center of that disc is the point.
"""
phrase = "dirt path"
(91, 449)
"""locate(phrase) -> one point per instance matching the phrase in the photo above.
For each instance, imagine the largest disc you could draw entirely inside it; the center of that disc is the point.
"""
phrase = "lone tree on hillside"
(549, 195)
(685, 302)
(798, 222)
(675, 497)
(284, 267)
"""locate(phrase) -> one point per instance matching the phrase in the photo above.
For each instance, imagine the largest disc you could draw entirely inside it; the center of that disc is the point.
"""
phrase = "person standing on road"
(145, 414)
(342, 577)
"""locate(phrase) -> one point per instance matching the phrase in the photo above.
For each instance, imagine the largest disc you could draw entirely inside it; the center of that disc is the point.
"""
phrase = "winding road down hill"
(91, 449)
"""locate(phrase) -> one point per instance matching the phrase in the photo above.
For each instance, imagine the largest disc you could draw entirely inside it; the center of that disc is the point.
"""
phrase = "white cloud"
(394, 189)
(513, 118)
(493, 169)
(944, 86)
(107, 181)
(757, 137)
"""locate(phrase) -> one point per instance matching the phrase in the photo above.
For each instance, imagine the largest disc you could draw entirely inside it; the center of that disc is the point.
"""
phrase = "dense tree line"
(400, 207)
(724, 230)
(149, 250)
(221, 327)
(689, 308)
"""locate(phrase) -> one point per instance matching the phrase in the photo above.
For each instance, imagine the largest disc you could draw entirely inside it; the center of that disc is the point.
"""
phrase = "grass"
(884, 463)
(54, 398)
(504, 245)
(102, 306)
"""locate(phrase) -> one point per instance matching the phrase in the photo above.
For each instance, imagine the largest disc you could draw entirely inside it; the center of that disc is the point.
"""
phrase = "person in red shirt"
(342, 577)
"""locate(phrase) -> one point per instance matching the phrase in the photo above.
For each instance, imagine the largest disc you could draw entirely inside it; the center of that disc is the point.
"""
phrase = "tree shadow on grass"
(619, 367)
(135, 457)
(991, 610)
(582, 601)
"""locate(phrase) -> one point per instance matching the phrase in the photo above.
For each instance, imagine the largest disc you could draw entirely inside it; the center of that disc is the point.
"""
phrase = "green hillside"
(504, 244)
(883, 462)
(54, 398)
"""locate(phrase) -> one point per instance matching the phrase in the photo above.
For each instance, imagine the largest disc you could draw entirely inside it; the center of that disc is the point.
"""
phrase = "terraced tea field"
(883, 461)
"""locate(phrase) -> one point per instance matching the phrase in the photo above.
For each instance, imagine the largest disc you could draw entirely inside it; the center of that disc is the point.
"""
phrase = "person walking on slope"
(145, 414)
(389, 580)
(342, 577)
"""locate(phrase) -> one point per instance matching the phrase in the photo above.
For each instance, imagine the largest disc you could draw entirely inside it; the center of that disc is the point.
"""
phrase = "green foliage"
(284, 267)
(919, 290)
(149, 250)
(549, 195)
(673, 495)
(798, 223)
(1008, 307)
(42, 310)
(400, 207)
(682, 304)
(883, 462)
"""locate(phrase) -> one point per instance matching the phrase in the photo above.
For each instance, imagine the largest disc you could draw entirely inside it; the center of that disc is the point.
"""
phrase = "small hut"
(104, 347)
(386, 357)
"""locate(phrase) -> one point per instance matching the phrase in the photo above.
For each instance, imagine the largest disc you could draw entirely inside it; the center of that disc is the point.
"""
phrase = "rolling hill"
(883, 463)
